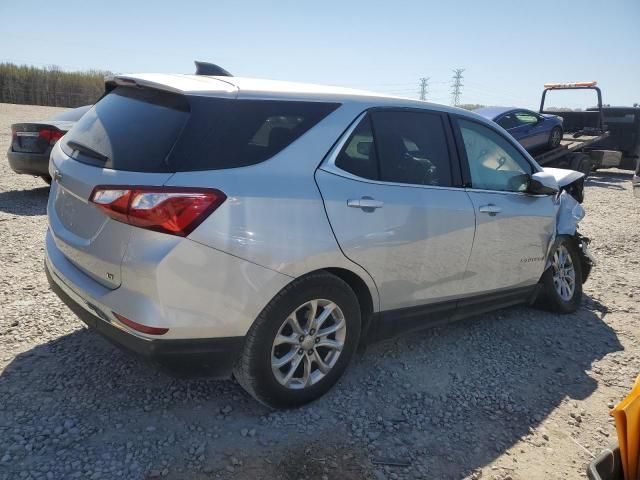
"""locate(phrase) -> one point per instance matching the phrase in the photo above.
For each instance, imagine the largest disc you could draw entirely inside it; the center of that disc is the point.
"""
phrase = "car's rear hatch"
(143, 131)
(123, 140)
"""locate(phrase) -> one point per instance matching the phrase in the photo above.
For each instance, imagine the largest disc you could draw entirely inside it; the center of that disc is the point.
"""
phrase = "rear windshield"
(147, 130)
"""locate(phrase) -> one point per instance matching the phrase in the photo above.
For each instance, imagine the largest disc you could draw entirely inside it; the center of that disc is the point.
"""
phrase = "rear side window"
(412, 148)
(399, 147)
(146, 130)
(359, 154)
(508, 121)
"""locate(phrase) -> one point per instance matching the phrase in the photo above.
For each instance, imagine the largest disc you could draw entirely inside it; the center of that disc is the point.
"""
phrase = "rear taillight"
(50, 135)
(173, 210)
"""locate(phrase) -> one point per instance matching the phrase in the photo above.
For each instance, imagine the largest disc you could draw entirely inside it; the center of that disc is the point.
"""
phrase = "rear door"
(392, 195)
(123, 140)
(513, 228)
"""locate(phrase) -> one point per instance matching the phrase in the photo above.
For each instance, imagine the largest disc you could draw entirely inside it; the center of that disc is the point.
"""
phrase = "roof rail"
(206, 68)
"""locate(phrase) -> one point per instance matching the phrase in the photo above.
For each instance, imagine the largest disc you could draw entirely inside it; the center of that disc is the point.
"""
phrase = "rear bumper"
(184, 357)
(29, 163)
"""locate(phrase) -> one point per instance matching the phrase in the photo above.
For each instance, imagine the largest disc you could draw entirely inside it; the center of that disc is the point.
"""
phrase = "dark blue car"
(533, 130)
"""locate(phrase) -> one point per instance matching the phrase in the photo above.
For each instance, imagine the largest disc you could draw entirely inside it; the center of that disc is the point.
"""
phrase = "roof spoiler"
(205, 68)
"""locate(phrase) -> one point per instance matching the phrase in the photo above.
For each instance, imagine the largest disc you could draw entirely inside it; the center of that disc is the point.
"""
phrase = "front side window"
(494, 163)
(412, 148)
(526, 118)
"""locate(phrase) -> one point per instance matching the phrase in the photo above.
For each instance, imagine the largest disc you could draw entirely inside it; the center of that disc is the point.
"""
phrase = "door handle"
(365, 203)
(491, 209)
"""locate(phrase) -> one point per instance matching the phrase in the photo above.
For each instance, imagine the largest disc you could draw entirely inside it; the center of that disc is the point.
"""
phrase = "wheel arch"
(362, 291)
(366, 292)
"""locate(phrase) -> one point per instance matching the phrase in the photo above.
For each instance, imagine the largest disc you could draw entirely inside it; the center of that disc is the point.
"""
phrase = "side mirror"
(542, 183)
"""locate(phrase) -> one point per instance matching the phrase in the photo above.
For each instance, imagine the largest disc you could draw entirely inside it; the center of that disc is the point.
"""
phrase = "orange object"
(593, 83)
(627, 417)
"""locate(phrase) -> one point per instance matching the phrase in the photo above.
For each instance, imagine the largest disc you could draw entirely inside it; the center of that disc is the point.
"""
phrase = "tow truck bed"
(570, 143)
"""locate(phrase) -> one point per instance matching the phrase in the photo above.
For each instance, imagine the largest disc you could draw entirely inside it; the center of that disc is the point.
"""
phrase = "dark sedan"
(533, 130)
(31, 142)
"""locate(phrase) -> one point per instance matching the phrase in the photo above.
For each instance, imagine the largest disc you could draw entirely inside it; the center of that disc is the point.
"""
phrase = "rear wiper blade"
(90, 152)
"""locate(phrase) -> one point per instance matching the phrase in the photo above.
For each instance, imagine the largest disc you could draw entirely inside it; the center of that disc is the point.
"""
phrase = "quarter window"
(494, 163)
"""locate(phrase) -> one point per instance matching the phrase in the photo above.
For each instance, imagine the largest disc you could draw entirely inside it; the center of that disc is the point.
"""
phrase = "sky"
(508, 49)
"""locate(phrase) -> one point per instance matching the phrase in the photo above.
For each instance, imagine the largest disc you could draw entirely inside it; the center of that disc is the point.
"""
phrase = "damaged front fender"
(569, 213)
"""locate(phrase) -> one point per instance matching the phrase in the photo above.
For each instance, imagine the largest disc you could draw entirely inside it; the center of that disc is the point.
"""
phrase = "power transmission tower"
(424, 87)
(456, 86)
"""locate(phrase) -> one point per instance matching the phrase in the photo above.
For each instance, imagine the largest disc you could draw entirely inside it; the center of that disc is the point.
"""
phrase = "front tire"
(562, 281)
(301, 342)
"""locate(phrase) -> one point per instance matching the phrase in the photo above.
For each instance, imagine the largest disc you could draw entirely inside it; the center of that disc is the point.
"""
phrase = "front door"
(513, 228)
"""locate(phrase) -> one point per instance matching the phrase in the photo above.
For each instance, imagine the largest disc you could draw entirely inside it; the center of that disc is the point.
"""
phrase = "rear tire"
(581, 162)
(284, 333)
(555, 137)
(561, 283)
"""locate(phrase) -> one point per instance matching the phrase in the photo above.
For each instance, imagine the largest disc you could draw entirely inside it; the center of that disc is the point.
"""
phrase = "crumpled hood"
(563, 176)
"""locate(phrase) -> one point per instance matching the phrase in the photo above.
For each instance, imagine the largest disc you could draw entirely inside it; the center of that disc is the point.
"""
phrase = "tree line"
(49, 86)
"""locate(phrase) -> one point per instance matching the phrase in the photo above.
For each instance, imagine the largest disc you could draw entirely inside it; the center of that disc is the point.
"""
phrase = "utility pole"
(424, 87)
(456, 86)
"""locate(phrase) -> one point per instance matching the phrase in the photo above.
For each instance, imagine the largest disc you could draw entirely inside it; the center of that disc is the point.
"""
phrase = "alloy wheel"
(564, 273)
(308, 344)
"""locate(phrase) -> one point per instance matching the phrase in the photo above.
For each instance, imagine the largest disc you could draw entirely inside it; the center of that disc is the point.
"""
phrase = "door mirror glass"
(542, 183)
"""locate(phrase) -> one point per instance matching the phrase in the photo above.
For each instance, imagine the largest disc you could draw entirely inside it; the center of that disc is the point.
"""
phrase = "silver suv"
(265, 229)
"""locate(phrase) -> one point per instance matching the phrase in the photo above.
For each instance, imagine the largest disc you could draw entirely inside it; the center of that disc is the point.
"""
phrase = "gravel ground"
(518, 394)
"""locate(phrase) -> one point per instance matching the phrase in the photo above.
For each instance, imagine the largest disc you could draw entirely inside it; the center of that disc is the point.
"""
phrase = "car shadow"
(609, 179)
(25, 202)
(444, 402)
